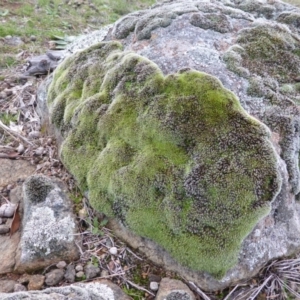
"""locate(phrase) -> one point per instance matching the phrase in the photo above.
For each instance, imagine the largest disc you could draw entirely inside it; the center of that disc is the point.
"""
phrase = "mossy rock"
(270, 50)
(175, 158)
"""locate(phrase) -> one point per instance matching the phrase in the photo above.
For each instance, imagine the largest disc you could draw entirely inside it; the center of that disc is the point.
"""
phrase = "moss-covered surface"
(270, 50)
(175, 158)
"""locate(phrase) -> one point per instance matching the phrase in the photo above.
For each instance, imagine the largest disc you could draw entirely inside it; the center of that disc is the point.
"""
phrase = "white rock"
(113, 251)
(153, 286)
(79, 268)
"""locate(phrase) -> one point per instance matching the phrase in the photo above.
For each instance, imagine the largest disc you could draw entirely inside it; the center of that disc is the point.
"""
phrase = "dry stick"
(14, 134)
(197, 290)
(139, 287)
(81, 252)
(103, 277)
(133, 254)
(227, 297)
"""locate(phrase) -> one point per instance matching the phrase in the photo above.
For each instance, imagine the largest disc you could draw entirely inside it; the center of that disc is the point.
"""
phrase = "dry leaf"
(15, 225)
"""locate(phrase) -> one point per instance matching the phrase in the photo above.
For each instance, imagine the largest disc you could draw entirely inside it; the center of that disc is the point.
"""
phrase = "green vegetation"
(163, 154)
(47, 18)
(7, 118)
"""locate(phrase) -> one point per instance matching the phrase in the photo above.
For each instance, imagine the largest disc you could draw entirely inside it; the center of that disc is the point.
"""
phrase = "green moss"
(175, 158)
(269, 49)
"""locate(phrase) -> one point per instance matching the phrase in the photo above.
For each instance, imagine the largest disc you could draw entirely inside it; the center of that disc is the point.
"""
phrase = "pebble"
(2, 95)
(91, 271)
(39, 151)
(19, 287)
(36, 282)
(113, 251)
(33, 38)
(54, 277)
(79, 268)
(82, 213)
(62, 264)
(70, 274)
(34, 134)
(21, 149)
(4, 229)
(7, 286)
(154, 286)
(79, 274)
(104, 273)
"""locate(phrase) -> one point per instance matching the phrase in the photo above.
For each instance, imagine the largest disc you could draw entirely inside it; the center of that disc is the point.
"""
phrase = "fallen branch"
(14, 134)
(198, 291)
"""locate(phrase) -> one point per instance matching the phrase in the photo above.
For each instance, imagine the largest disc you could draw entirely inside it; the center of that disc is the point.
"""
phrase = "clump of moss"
(214, 21)
(176, 159)
(269, 50)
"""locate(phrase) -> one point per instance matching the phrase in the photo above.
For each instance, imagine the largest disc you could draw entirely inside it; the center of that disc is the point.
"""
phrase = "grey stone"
(80, 274)
(4, 229)
(91, 271)
(101, 290)
(19, 287)
(70, 273)
(79, 268)
(172, 289)
(61, 265)
(54, 277)
(7, 286)
(48, 225)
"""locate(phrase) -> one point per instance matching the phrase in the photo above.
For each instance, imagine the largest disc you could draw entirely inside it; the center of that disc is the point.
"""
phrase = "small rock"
(113, 251)
(7, 286)
(39, 151)
(82, 213)
(21, 149)
(4, 229)
(173, 289)
(91, 271)
(62, 264)
(54, 277)
(104, 273)
(79, 274)
(34, 134)
(154, 286)
(33, 38)
(19, 287)
(70, 274)
(79, 268)
(36, 282)
(2, 95)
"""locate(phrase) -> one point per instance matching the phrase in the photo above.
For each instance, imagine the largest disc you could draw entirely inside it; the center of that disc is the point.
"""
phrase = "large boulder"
(201, 181)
